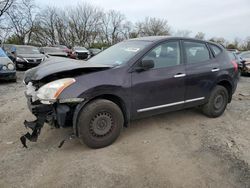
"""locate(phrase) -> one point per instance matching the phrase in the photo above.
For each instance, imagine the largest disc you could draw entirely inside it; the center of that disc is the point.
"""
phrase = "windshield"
(27, 50)
(120, 53)
(2, 53)
(245, 55)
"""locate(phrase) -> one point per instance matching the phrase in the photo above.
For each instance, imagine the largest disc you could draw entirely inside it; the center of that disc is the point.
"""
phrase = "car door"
(161, 88)
(201, 71)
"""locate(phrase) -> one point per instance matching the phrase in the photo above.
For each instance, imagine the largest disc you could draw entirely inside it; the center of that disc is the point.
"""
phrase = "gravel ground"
(179, 149)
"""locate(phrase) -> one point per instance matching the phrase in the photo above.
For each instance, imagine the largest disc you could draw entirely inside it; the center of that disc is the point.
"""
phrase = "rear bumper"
(7, 75)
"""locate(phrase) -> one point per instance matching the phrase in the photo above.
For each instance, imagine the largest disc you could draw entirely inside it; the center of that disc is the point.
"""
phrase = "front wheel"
(100, 123)
(217, 102)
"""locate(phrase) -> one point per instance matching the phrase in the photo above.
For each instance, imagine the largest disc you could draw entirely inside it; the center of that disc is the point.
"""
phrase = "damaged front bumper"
(57, 114)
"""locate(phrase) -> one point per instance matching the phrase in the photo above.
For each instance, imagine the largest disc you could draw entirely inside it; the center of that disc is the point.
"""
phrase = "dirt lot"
(180, 149)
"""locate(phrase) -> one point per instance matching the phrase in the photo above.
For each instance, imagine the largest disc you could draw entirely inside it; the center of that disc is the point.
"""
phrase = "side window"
(215, 49)
(196, 52)
(165, 55)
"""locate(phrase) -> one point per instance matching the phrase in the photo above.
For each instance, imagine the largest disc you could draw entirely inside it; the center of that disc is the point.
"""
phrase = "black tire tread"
(207, 108)
(85, 117)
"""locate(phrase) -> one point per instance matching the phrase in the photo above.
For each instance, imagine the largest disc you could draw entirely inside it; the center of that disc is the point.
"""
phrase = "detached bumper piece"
(56, 115)
(41, 112)
(36, 127)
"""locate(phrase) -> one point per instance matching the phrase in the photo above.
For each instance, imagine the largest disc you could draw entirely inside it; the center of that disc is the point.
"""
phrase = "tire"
(217, 102)
(100, 123)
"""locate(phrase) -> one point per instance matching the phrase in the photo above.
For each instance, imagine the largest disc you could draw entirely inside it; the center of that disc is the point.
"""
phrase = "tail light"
(235, 64)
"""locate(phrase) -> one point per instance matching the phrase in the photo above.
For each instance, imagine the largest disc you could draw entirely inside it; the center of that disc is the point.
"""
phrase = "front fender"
(124, 104)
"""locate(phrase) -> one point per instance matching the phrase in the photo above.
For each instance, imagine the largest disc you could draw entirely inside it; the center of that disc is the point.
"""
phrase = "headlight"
(49, 92)
(10, 66)
(20, 59)
(4, 68)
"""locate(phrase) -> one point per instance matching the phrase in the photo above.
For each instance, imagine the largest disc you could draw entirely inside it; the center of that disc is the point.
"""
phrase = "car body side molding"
(170, 104)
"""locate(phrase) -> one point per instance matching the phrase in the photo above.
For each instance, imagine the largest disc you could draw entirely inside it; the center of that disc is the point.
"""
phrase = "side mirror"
(147, 64)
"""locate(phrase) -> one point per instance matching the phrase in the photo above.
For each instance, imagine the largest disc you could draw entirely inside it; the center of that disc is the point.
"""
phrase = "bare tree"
(182, 33)
(44, 29)
(84, 23)
(200, 35)
(113, 27)
(246, 44)
(220, 40)
(5, 5)
(153, 26)
(127, 30)
(21, 19)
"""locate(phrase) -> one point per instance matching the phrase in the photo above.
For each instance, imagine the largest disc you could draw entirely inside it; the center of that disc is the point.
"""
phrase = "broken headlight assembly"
(48, 93)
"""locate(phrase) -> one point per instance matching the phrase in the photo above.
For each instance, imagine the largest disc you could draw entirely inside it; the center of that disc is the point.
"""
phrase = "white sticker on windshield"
(118, 62)
(132, 49)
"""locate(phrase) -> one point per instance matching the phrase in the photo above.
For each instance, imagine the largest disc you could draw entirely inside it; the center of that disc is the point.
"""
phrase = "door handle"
(179, 75)
(215, 69)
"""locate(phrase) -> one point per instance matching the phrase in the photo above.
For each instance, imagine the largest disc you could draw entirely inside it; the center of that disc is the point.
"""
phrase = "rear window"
(215, 49)
(196, 52)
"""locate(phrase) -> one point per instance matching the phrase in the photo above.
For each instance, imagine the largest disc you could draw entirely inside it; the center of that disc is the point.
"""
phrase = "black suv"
(130, 80)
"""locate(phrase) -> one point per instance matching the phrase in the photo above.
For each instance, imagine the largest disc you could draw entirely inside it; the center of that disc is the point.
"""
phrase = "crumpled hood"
(31, 55)
(58, 65)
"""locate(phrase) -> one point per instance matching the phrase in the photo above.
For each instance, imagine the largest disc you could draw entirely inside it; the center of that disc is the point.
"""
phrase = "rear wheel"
(217, 102)
(100, 123)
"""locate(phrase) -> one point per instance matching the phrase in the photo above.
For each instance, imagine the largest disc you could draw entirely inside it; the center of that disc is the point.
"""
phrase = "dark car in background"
(130, 80)
(26, 56)
(53, 51)
(7, 67)
(94, 51)
(245, 56)
(79, 53)
(235, 57)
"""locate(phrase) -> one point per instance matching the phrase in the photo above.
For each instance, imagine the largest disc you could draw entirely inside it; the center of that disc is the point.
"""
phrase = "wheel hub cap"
(218, 102)
(101, 124)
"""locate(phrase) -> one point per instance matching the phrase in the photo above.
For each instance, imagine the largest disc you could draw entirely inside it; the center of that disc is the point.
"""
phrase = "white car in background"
(80, 53)
(246, 57)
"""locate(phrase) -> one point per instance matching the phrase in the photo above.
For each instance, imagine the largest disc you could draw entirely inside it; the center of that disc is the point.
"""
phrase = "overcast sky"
(221, 18)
